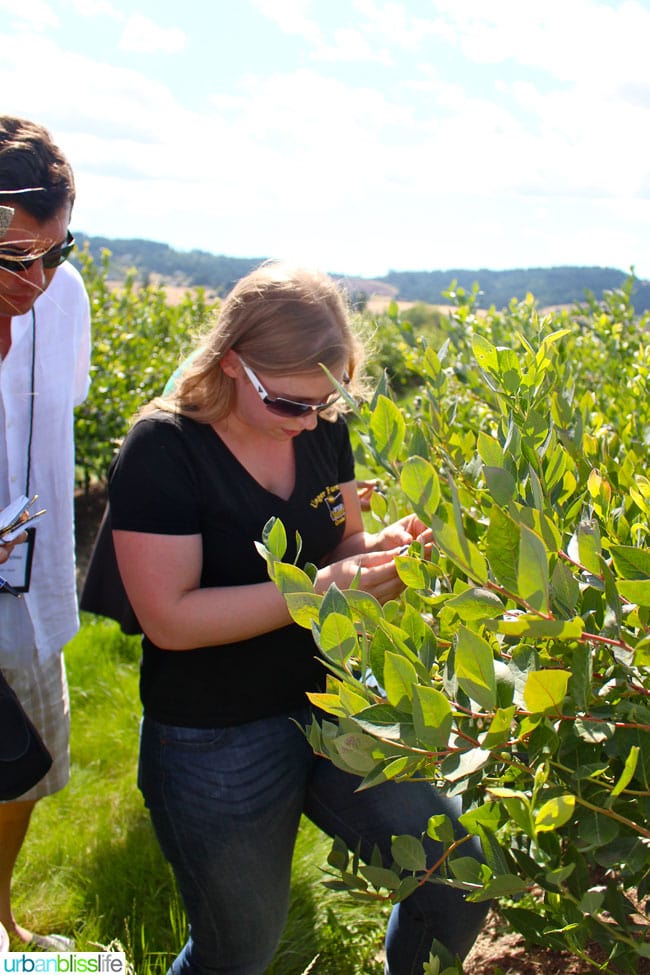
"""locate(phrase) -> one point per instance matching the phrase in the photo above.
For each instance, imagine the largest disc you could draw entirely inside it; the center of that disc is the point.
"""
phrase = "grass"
(91, 866)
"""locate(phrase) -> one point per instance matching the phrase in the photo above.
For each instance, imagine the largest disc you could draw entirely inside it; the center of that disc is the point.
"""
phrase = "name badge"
(17, 570)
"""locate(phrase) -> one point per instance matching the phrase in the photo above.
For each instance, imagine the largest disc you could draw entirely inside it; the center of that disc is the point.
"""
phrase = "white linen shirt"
(46, 617)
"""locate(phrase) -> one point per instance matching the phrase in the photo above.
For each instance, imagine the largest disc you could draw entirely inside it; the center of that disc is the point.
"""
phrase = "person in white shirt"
(44, 374)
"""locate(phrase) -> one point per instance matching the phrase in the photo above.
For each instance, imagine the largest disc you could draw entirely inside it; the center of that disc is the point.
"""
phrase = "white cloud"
(36, 15)
(291, 17)
(583, 42)
(395, 24)
(351, 45)
(143, 36)
(96, 8)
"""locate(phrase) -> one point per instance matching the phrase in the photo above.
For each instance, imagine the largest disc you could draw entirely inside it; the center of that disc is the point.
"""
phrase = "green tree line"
(218, 273)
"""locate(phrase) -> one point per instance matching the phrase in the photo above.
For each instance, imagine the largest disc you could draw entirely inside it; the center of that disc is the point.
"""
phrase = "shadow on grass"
(130, 891)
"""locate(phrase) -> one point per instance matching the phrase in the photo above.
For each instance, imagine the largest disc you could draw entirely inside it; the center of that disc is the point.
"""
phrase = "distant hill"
(218, 273)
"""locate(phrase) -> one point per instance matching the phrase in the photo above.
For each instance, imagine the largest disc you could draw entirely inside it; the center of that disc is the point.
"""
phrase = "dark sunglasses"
(288, 407)
(51, 259)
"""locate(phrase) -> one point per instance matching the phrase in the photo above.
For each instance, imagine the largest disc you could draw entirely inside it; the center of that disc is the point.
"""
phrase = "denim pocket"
(193, 739)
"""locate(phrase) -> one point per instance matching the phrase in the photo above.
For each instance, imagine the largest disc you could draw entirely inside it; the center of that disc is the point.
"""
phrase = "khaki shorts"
(42, 689)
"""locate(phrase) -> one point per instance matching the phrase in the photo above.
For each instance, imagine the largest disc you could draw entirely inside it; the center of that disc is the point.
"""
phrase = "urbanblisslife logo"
(68, 963)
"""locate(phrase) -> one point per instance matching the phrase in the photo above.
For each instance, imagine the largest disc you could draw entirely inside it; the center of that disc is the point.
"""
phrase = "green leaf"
(545, 690)
(304, 607)
(476, 604)
(488, 816)
(501, 484)
(408, 853)
(555, 878)
(475, 668)
(334, 601)
(627, 774)
(589, 546)
(555, 813)
(490, 450)
(440, 828)
(406, 888)
(462, 552)
(581, 675)
(421, 486)
(636, 591)
(613, 610)
(380, 877)
(337, 637)
(631, 562)
(413, 572)
(354, 751)
(500, 728)
(381, 720)
(502, 548)
(289, 578)
(592, 900)
(534, 628)
(352, 702)
(432, 717)
(532, 575)
(274, 537)
(400, 677)
(509, 369)
(565, 590)
(468, 870)
(505, 885)
(463, 764)
(388, 428)
(330, 703)
(364, 606)
(594, 732)
(485, 354)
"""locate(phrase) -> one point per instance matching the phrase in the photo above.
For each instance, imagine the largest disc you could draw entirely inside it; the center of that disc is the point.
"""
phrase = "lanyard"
(31, 407)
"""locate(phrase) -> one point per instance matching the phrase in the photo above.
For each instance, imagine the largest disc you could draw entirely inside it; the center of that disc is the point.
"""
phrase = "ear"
(230, 364)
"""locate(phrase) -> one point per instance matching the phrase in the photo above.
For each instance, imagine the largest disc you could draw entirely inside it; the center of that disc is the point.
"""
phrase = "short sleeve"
(152, 484)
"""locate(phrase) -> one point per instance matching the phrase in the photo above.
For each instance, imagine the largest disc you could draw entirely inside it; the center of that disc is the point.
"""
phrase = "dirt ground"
(498, 953)
(495, 952)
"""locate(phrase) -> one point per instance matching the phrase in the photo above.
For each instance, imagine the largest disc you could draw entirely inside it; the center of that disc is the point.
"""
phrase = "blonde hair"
(281, 319)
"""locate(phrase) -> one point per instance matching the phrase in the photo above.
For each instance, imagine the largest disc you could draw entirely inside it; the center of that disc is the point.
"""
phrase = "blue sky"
(356, 135)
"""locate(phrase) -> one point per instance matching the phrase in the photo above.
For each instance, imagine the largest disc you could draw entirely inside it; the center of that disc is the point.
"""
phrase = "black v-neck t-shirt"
(175, 476)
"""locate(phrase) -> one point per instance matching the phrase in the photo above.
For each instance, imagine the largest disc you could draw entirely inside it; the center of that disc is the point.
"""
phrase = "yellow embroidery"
(333, 498)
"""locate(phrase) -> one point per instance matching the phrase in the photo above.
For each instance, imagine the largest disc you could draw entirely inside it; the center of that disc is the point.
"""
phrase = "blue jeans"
(226, 804)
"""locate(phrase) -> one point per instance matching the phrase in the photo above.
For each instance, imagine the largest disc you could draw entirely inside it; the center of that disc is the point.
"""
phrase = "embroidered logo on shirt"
(333, 499)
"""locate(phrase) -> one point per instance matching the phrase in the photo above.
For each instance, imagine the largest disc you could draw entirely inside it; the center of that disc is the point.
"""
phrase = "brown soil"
(495, 951)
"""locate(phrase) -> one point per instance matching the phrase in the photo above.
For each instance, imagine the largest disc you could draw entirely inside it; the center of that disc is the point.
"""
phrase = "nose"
(309, 420)
(35, 274)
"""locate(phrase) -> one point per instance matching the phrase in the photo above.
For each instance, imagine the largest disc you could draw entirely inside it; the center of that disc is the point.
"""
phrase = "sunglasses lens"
(281, 408)
(58, 255)
(11, 264)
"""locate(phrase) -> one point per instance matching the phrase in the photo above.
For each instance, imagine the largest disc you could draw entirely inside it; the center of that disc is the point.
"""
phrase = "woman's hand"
(408, 529)
(375, 571)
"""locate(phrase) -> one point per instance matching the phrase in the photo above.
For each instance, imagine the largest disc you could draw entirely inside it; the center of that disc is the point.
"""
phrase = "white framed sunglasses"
(282, 406)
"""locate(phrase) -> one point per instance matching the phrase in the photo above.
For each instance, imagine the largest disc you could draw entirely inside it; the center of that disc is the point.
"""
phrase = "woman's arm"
(161, 575)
